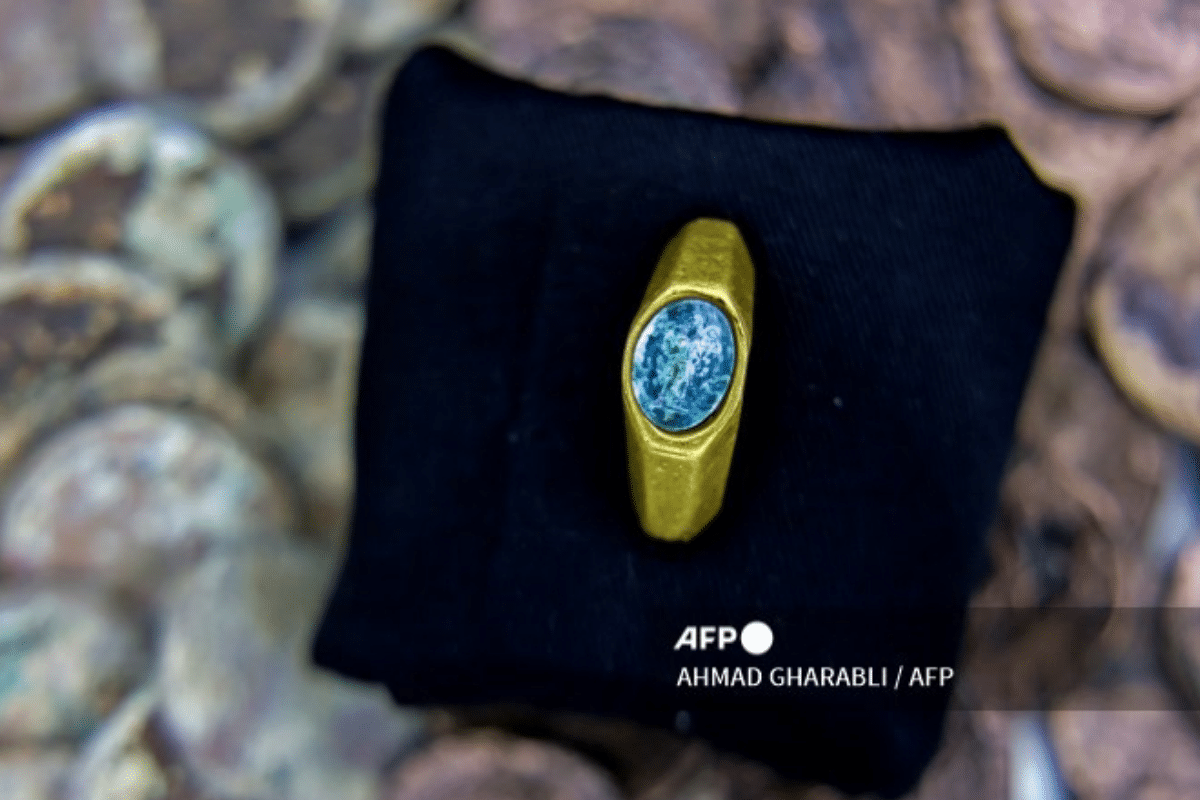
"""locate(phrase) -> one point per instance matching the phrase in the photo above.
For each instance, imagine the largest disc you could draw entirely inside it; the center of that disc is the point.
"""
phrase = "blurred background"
(184, 233)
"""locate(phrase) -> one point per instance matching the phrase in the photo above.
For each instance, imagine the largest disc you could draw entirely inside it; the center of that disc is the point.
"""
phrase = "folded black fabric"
(495, 556)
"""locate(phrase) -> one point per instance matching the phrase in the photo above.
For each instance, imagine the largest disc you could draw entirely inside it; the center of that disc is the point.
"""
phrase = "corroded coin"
(1073, 512)
(495, 767)
(1145, 305)
(42, 63)
(863, 64)
(241, 699)
(1069, 146)
(60, 313)
(328, 155)
(46, 636)
(1140, 56)
(241, 68)
(158, 193)
(305, 375)
(1127, 740)
(132, 492)
(128, 758)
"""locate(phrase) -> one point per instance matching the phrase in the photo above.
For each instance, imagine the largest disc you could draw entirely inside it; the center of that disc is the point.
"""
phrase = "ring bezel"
(678, 478)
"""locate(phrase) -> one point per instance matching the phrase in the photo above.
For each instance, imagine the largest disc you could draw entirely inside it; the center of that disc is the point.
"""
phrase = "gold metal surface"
(678, 479)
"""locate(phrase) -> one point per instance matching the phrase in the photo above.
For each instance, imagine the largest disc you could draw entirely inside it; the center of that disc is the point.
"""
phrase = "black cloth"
(902, 285)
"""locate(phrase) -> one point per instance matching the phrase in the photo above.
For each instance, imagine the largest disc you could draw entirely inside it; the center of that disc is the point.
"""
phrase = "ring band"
(683, 377)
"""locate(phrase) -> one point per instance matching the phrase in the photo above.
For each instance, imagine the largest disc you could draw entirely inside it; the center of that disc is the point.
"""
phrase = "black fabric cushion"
(902, 284)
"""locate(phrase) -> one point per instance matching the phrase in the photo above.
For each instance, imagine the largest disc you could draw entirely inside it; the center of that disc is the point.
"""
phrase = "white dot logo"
(757, 638)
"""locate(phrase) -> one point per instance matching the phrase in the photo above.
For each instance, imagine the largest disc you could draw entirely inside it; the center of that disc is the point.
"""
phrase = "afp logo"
(756, 638)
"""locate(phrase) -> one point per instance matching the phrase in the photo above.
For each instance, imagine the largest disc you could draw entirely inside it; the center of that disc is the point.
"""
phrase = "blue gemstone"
(683, 363)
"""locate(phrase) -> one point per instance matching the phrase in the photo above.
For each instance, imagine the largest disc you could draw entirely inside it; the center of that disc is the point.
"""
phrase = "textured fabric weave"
(902, 285)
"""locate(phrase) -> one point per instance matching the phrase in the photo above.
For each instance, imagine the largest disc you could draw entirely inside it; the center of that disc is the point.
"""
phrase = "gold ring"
(683, 376)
